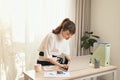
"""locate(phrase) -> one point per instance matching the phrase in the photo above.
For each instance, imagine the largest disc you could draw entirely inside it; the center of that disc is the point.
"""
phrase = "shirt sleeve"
(48, 46)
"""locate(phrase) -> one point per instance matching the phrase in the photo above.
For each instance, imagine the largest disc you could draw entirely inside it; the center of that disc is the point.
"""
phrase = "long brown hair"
(66, 24)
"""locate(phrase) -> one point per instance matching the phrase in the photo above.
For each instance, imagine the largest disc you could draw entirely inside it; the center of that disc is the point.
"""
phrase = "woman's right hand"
(64, 66)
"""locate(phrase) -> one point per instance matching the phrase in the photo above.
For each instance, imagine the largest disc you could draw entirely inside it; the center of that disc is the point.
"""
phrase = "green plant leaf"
(95, 36)
(92, 41)
(90, 32)
(84, 38)
(88, 40)
(85, 45)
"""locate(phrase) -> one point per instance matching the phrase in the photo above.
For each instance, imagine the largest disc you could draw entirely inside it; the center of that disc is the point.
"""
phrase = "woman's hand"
(64, 66)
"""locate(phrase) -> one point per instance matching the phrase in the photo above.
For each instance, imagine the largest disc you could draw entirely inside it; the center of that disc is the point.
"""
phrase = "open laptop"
(78, 63)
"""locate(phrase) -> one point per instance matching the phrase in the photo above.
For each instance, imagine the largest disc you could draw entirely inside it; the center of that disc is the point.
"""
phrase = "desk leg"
(115, 75)
(94, 78)
(27, 78)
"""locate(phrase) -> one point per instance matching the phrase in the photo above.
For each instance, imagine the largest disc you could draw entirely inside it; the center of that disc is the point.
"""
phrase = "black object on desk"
(96, 63)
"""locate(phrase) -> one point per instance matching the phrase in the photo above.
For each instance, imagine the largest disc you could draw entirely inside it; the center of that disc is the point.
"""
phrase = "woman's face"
(66, 34)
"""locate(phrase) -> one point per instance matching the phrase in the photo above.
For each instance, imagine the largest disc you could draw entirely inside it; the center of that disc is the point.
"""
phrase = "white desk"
(82, 74)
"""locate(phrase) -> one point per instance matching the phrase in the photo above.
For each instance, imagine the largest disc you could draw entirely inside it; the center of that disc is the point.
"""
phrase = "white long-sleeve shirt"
(53, 44)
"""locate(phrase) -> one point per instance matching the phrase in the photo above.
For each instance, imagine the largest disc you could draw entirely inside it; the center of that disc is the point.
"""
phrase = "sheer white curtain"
(23, 24)
(82, 22)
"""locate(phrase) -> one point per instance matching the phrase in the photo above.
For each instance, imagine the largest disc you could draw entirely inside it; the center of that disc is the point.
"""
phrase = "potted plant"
(88, 41)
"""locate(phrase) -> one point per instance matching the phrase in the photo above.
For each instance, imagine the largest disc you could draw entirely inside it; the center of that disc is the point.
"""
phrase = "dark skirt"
(46, 63)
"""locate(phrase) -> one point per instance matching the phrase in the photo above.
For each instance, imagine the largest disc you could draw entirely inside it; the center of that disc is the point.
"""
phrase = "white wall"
(105, 21)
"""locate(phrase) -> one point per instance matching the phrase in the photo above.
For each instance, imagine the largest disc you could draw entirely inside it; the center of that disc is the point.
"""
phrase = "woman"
(56, 45)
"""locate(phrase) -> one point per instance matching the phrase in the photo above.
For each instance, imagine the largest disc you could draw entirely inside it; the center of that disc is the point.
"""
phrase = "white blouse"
(54, 45)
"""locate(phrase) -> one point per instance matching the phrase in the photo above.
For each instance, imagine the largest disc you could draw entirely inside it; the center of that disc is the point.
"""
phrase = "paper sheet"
(54, 74)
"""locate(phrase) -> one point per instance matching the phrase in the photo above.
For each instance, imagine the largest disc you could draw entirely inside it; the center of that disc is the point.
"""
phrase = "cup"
(97, 63)
(37, 67)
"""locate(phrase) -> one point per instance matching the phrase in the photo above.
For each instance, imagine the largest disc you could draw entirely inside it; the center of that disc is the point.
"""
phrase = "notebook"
(79, 63)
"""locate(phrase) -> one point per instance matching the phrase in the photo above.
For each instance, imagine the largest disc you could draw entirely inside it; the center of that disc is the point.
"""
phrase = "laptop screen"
(78, 63)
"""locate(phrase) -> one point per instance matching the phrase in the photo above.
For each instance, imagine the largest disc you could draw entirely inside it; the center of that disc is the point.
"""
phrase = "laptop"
(78, 63)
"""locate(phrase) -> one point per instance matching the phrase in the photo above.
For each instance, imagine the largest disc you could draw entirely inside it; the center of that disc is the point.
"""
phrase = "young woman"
(54, 49)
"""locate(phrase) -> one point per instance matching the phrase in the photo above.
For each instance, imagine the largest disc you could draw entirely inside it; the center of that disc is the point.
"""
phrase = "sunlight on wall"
(33, 17)
(43, 16)
(23, 25)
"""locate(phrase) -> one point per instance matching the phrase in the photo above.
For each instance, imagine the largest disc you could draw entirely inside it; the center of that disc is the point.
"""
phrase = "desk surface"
(73, 74)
